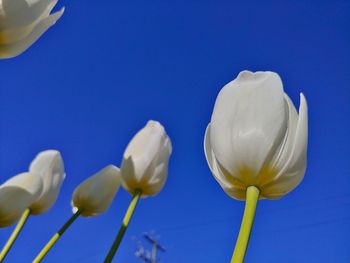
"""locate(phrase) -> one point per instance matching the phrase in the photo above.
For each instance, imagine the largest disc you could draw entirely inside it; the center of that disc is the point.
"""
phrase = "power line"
(343, 198)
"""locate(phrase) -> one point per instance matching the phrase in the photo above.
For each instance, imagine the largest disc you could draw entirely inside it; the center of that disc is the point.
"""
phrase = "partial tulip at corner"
(23, 22)
(144, 171)
(91, 198)
(32, 192)
(256, 143)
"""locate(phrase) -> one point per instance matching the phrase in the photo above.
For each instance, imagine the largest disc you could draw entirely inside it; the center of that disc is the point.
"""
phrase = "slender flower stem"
(252, 197)
(55, 237)
(14, 234)
(123, 227)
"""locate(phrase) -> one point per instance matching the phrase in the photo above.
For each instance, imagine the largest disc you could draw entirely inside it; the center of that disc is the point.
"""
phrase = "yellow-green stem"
(252, 197)
(123, 227)
(55, 237)
(14, 234)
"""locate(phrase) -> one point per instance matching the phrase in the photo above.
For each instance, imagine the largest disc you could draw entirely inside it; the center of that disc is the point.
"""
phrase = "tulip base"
(54, 239)
(123, 227)
(252, 197)
(14, 234)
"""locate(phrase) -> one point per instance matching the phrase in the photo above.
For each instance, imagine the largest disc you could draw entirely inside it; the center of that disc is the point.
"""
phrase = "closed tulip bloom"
(90, 198)
(144, 170)
(49, 166)
(22, 22)
(16, 195)
(95, 194)
(145, 161)
(256, 137)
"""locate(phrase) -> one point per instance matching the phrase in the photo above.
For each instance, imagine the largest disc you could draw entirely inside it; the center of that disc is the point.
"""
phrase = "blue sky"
(107, 67)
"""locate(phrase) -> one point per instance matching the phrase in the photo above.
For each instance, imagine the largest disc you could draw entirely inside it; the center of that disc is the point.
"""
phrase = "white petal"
(156, 174)
(294, 169)
(271, 169)
(16, 195)
(248, 123)
(144, 146)
(129, 180)
(286, 147)
(95, 194)
(49, 165)
(232, 186)
(14, 49)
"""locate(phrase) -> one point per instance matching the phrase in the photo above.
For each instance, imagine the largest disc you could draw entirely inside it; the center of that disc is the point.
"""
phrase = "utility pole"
(155, 247)
(150, 256)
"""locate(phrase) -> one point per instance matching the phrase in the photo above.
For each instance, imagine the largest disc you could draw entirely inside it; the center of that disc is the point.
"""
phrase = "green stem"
(252, 198)
(14, 234)
(55, 237)
(123, 227)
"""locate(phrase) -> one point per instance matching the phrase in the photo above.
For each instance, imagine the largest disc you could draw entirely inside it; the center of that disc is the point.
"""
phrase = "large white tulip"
(95, 194)
(256, 137)
(49, 166)
(145, 160)
(16, 195)
(22, 22)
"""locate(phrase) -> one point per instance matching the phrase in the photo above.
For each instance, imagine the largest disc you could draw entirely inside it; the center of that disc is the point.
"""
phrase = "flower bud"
(145, 160)
(95, 194)
(256, 137)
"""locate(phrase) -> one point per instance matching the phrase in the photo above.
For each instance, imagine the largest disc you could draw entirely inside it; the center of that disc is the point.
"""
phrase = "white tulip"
(95, 194)
(16, 195)
(22, 22)
(49, 166)
(145, 160)
(256, 138)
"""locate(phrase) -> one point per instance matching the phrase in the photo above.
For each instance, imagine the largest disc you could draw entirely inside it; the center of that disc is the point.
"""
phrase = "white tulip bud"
(16, 195)
(49, 166)
(22, 22)
(256, 137)
(145, 160)
(95, 194)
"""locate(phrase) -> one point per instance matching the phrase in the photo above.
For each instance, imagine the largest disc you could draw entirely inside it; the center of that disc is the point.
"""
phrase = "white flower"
(145, 161)
(16, 195)
(22, 22)
(49, 166)
(256, 138)
(95, 194)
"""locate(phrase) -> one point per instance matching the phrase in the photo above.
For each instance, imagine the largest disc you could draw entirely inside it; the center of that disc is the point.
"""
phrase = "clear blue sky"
(108, 66)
